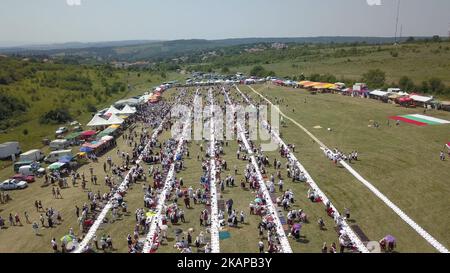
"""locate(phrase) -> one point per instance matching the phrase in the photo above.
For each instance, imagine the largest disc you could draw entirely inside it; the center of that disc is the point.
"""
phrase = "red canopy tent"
(88, 134)
(448, 145)
(405, 101)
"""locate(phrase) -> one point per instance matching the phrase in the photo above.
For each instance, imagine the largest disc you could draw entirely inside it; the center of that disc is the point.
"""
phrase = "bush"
(436, 86)
(374, 78)
(56, 116)
(406, 84)
(10, 106)
(259, 71)
(91, 108)
(394, 54)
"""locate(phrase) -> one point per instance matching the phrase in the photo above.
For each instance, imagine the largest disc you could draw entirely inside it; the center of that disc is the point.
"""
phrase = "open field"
(402, 162)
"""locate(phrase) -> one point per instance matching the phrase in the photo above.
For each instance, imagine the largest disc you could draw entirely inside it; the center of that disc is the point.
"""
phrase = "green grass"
(420, 62)
(402, 162)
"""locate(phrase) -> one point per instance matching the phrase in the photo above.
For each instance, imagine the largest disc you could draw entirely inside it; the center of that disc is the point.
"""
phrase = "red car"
(27, 178)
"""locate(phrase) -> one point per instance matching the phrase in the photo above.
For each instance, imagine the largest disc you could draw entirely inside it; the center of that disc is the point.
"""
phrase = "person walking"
(35, 228)
(27, 219)
(58, 193)
(54, 245)
(261, 247)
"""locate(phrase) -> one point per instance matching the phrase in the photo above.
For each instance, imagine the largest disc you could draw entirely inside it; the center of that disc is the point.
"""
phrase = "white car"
(61, 130)
(13, 184)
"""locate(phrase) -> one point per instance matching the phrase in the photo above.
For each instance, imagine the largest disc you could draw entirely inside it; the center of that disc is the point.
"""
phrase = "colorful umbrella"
(150, 214)
(67, 238)
(390, 239)
(178, 231)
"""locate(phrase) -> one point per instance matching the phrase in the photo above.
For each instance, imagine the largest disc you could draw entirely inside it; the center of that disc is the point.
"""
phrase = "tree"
(436, 39)
(258, 71)
(424, 87)
(57, 116)
(225, 70)
(91, 108)
(436, 86)
(410, 39)
(374, 78)
(405, 83)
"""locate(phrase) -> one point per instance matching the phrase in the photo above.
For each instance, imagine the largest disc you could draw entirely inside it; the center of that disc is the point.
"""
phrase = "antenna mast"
(396, 23)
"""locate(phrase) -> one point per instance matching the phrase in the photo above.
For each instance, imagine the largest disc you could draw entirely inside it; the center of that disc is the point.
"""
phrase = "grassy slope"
(52, 98)
(416, 61)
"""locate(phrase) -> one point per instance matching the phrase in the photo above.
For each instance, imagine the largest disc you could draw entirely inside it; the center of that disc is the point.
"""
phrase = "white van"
(26, 170)
(59, 144)
(32, 155)
(56, 155)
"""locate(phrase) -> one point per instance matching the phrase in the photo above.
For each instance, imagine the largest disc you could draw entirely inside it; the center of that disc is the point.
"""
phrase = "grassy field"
(402, 162)
(420, 61)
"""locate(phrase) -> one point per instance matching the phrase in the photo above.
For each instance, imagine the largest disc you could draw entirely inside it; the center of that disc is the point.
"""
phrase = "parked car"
(56, 155)
(61, 130)
(13, 184)
(59, 144)
(26, 178)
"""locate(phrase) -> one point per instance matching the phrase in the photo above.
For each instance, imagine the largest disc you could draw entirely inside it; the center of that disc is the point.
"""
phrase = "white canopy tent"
(421, 98)
(112, 110)
(97, 121)
(114, 120)
(128, 110)
(379, 93)
(131, 101)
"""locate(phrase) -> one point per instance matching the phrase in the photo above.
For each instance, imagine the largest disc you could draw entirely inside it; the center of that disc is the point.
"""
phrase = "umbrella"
(258, 200)
(67, 238)
(86, 149)
(55, 166)
(178, 231)
(88, 133)
(297, 226)
(150, 214)
(65, 159)
(389, 239)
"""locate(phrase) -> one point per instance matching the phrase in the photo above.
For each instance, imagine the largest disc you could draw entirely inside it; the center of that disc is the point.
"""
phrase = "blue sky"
(46, 21)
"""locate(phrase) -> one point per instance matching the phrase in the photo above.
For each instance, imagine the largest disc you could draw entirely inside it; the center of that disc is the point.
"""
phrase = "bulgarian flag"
(420, 120)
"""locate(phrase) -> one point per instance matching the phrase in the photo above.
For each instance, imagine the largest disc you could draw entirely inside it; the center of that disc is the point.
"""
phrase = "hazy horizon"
(64, 21)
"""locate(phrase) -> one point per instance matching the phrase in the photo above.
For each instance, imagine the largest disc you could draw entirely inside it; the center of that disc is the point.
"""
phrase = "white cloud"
(73, 2)
(374, 2)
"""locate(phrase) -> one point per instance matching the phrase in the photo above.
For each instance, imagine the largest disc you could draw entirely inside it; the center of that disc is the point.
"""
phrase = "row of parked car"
(28, 164)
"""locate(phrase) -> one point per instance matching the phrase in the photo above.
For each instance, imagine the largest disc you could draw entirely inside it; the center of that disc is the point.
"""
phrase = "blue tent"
(65, 159)
(85, 149)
